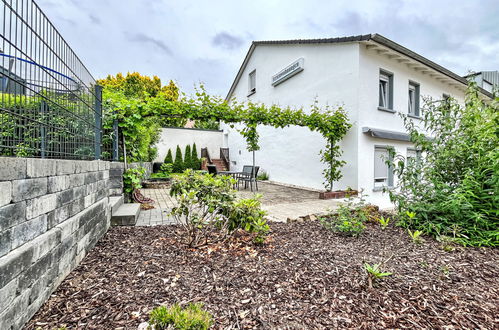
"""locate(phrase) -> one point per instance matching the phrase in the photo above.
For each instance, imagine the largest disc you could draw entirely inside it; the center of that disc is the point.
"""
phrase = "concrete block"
(126, 215)
(12, 168)
(5, 192)
(76, 206)
(12, 214)
(83, 166)
(60, 214)
(40, 167)
(68, 227)
(28, 188)
(5, 242)
(58, 183)
(46, 242)
(115, 191)
(35, 271)
(8, 293)
(116, 165)
(28, 230)
(64, 197)
(101, 165)
(76, 180)
(40, 205)
(65, 167)
(14, 263)
(89, 200)
(14, 311)
(105, 175)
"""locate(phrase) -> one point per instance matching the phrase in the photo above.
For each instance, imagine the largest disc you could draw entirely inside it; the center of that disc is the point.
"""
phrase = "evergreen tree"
(187, 157)
(196, 162)
(169, 157)
(178, 165)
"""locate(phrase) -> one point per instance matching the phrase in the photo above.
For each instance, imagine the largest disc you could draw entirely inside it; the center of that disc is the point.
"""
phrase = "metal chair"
(212, 169)
(249, 175)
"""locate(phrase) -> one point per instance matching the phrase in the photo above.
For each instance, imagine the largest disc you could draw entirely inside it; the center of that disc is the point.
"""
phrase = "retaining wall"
(52, 212)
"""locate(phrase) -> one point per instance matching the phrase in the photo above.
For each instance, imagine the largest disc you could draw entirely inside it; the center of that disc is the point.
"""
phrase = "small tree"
(196, 165)
(169, 157)
(187, 157)
(178, 164)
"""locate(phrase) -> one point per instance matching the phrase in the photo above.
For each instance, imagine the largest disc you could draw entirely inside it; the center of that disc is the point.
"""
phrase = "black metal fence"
(50, 105)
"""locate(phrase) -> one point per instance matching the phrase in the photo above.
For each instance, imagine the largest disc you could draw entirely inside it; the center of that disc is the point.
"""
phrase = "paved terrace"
(280, 202)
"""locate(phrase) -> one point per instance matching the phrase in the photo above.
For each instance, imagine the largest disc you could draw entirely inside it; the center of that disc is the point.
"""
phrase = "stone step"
(126, 215)
(115, 202)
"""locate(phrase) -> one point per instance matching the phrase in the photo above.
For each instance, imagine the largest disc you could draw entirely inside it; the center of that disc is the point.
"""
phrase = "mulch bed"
(304, 277)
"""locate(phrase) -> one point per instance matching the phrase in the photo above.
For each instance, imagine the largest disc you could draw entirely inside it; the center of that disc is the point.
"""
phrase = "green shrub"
(263, 176)
(187, 157)
(132, 179)
(169, 157)
(454, 188)
(349, 219)
(196, 162)
(178, 164)
(192, 317)
(208, 211)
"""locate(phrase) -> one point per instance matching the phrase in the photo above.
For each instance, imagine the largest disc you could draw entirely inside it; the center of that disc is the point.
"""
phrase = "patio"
(281, 202)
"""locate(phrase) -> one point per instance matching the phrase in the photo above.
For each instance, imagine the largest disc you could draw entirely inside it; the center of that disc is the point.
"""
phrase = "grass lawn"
(303, 277)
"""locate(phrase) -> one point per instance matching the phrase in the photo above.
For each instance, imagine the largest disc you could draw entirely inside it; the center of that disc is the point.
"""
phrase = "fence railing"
(50, 105)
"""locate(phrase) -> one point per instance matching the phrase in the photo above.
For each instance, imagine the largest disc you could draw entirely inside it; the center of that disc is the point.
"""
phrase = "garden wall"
(52, 212)
(204, 138)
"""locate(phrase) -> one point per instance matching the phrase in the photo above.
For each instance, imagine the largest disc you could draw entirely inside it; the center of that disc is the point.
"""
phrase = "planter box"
(337, 194)
(157, 183)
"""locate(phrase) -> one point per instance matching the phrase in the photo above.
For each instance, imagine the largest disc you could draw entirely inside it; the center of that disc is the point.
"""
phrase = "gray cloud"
(142, 38)
(226, 40)
(94, 19)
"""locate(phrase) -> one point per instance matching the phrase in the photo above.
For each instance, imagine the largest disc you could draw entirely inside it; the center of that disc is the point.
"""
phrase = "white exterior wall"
(171, 137)
(291, 155)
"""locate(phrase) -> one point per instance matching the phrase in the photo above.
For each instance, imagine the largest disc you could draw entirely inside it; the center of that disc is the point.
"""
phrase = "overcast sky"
(206, 41)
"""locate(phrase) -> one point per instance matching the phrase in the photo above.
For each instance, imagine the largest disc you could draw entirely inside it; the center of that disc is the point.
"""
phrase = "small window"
(413, 155)
(413, 99)
(383, 174)
(252, 82)
(385, 90)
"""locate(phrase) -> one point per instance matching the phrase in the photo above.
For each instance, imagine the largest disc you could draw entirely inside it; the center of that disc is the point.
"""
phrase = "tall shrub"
(196, 163)
(178, 164)
(454, 188)
(187, 157)
(169, 157)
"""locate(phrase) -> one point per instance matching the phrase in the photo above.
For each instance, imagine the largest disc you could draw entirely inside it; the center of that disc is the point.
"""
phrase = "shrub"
(178, 164)
(454, 188)
(263, 176)
(169, 157)
(207, 209)
(192, 317)
(196, 162)
(132, 179)
(187, 157)
(349, 219)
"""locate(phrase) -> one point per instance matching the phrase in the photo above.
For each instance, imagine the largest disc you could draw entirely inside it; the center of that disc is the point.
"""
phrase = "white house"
(371, 77)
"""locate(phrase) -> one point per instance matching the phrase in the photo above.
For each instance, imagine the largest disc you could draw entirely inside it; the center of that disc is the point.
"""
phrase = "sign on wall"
(288, 72)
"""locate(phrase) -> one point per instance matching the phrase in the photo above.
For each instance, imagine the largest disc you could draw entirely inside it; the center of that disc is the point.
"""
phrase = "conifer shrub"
(178, 164)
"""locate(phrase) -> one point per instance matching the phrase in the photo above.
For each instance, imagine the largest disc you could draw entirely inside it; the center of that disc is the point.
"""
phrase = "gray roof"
(365, 37)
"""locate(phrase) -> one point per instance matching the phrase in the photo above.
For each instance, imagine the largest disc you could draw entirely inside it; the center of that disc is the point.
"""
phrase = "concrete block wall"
(52, 212)
(146, 165)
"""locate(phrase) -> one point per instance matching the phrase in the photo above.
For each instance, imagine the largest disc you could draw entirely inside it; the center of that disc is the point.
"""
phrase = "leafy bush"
(164, 172)
(349, 219)
(193, 317)
(187, 157)
(178, 164)
(132, 179)
(207, 209)
(454, 188)
(263, 176)
(196, 162)
(169, 157)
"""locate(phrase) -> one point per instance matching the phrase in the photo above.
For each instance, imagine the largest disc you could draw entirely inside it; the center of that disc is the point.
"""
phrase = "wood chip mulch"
(303, 277)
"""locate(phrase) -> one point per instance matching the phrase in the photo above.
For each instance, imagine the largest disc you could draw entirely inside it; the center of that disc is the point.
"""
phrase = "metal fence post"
(43, 130)
(98, 121)
(115, 141)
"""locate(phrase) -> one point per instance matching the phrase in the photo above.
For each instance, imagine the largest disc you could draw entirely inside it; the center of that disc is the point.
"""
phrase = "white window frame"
(385, 90)
(252, 82)
(382, 181)
(413, 99)
(414, 153)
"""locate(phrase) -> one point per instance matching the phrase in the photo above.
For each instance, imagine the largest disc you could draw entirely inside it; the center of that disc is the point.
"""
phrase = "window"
(413, 155)
(413, 99)
(385, 90)
(383, 174)
(252, 83)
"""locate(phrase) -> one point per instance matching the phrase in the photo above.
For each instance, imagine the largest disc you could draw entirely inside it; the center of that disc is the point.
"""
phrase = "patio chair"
(212, 169)
(249, 175)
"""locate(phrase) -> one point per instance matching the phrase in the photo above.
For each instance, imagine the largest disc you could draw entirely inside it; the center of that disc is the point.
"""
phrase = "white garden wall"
(171, 137)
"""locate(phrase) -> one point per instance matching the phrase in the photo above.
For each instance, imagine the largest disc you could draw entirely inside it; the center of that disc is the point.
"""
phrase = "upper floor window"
(383, 173)
(413, 155)
(413, 99)
(385, 90)
(252, 82)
